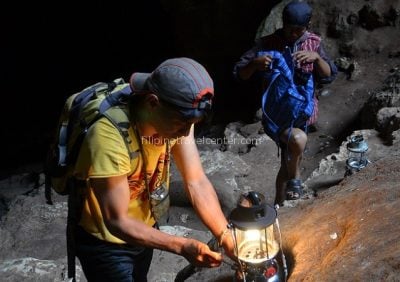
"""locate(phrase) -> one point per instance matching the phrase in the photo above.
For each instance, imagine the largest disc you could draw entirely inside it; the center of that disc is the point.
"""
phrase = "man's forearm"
(206, 204)
(137, 233)
(246, 71)
(323, 68)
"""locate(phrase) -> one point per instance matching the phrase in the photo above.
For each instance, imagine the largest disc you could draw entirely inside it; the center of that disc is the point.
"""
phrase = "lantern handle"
(254, 198)
(357, 138)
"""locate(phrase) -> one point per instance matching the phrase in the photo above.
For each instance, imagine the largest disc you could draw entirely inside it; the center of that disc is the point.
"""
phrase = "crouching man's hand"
(200, 254)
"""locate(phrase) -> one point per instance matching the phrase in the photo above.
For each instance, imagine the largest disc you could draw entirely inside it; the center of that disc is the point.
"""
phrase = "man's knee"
(298, 140)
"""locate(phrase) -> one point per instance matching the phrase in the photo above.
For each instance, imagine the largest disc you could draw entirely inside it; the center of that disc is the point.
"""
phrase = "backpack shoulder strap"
(117, 96)
(119, 118)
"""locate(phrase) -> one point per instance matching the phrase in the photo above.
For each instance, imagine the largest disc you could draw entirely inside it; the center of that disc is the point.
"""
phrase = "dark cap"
(297, 13)
(180, 82)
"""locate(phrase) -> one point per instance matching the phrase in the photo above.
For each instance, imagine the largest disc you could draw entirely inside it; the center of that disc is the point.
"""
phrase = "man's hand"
(303, 57)
(262, 63)
(200, 254)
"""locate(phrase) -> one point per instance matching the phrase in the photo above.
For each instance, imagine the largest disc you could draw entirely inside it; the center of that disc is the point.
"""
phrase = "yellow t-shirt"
(104, 154)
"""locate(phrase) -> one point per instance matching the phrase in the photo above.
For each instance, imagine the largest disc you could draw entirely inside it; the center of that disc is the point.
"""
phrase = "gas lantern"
(357, 148)
(257, 238)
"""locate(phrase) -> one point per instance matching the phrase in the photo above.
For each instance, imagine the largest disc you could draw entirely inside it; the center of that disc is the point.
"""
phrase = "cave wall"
(51, 50)
(216, 33)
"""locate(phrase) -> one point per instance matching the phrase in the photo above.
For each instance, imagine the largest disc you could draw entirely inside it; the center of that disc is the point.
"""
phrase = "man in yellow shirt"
(116, 233)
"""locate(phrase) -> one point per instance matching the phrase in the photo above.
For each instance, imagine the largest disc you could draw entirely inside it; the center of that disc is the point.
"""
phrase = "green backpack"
(82, 110)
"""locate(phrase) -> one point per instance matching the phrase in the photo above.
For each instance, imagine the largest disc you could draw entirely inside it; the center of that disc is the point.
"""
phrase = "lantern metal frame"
(260, 258)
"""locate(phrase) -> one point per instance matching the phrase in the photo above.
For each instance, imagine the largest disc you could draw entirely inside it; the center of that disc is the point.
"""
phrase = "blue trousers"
(103, 261)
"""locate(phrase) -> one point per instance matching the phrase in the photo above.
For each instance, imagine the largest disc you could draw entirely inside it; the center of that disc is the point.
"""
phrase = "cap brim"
(192, 113)
(138, 81)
